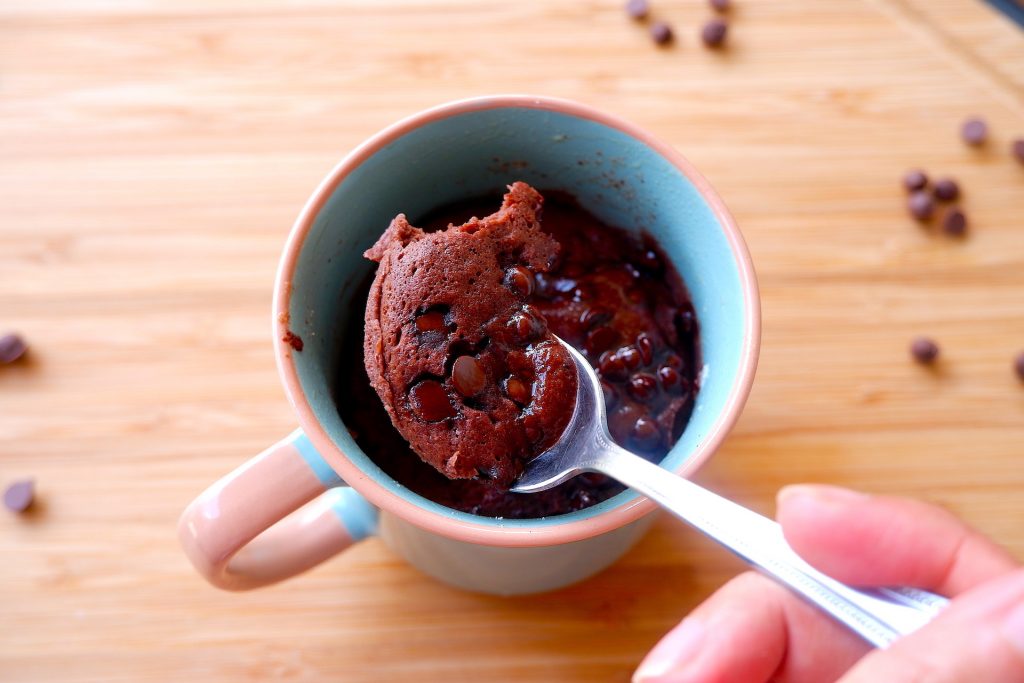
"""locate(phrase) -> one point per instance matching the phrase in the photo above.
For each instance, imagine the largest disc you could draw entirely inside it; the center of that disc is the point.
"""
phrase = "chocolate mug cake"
(459, 353)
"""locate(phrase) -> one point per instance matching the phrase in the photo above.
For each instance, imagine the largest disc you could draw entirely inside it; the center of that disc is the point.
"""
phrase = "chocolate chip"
(669, 377)
(430, 401)
(19, 495)
(599, 339)
(622, 419)
(12, 347)
(649, 261)
(924, 350)
(468, 376)
(517, 390)
(646, 434)
(638, 9)
(431, 321)
(673, 361)
(714, 32)
(1018, 149)
(544, 285)
(686, 320)
(487, 473)
(720, 5)
(1018, 365)
(592, 317)
(527, 323)
(646, 348)
(611, 366)
(630, 357)
(661, 33)
(946, 189)
(915, 179)
(520, 280)
(921, 205)
(954, 222)
(974, 131)
(643, 386)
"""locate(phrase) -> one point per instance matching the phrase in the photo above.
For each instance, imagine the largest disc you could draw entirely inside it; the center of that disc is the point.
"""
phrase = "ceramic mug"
(316, 492)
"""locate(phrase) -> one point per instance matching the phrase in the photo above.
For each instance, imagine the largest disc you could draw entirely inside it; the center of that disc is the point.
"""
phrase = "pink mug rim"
(461, 529)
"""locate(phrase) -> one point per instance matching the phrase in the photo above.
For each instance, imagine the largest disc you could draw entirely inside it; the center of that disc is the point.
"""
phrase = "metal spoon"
(879, 615)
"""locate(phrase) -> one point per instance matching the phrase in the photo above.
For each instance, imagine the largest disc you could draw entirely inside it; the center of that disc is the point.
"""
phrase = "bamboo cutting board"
(154, 154)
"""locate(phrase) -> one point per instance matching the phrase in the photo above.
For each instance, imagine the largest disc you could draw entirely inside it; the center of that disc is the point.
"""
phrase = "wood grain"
(152, 158)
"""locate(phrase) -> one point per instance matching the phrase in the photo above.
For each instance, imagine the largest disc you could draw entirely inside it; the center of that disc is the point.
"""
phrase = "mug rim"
(490, 534)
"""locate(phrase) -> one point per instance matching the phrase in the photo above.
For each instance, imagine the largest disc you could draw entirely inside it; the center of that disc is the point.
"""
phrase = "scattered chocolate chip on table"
(921, 205)
(915, 179)
(974, 131)
(1018, 149)
(661, 33)
(12, 347)
(946, 189)
(637, 9)
(954, 222)
(19, 496)
(1018, 365)
(924, 350)
(721, 5)
(714, 32)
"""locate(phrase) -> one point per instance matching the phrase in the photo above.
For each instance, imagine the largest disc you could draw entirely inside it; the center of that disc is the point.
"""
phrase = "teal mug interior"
(616, 175)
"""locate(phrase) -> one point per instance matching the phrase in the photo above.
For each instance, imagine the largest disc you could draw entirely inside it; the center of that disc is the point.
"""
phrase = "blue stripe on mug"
(357, 515)
(327, 476)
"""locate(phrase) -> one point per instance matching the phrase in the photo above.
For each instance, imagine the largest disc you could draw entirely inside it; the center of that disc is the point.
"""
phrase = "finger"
(750, 631)
(979, 637)
(882, 541)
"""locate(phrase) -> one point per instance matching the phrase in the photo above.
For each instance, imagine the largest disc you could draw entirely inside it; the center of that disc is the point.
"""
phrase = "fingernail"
(819, 493)
(670, 657)
(1013, 628)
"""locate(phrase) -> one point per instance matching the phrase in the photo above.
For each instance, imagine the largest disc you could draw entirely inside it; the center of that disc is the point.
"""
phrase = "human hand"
(753, 630)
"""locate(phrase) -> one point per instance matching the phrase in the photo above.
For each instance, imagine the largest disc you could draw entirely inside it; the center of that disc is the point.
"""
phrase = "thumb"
(881, 541)
(979, 637)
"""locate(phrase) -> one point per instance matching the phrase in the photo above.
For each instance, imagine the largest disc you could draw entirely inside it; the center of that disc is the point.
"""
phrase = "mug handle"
(253, 527)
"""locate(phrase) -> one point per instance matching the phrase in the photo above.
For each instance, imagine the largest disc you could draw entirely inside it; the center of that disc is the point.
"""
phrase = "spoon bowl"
(584, 440)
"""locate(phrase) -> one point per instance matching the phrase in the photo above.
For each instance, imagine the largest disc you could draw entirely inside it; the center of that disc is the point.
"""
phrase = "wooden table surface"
(154, 154)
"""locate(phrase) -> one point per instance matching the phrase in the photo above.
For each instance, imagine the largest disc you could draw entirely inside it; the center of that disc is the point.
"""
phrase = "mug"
(316, 492)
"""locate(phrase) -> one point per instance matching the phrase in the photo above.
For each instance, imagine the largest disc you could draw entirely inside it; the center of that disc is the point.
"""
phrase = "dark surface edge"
(1010, 8)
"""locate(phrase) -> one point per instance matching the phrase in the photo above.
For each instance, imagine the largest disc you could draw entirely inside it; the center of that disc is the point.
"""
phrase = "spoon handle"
(879, 615)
